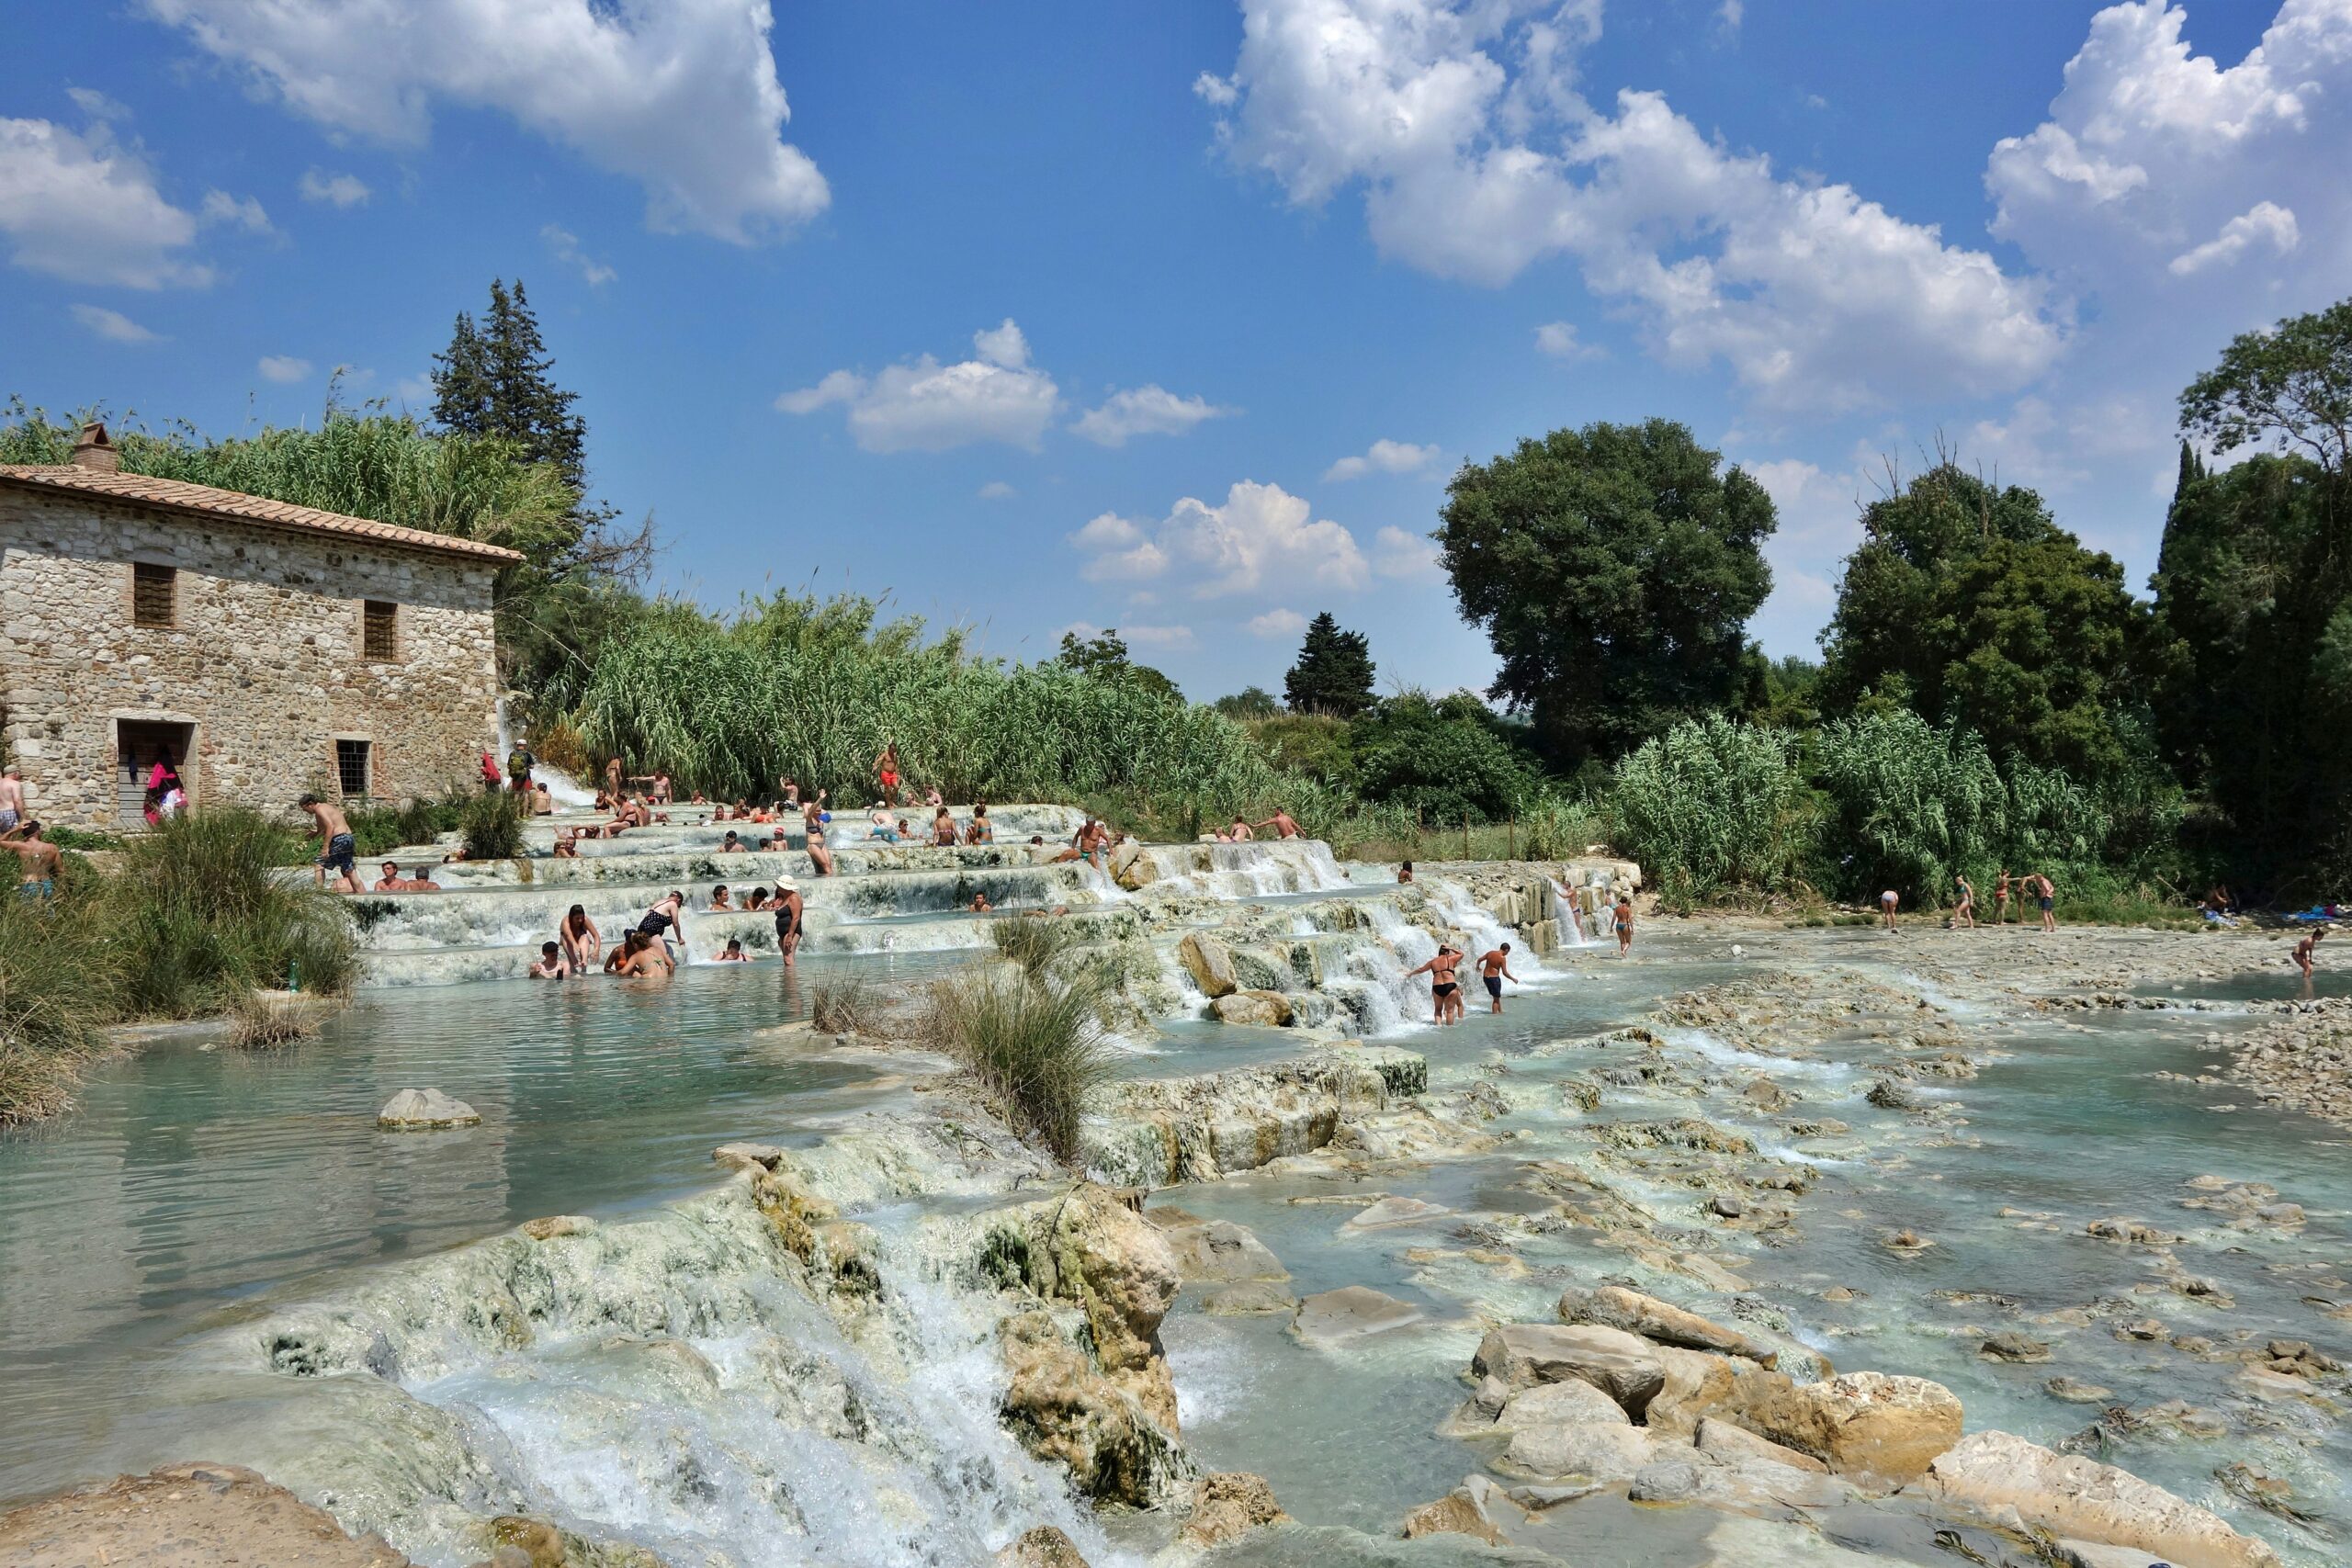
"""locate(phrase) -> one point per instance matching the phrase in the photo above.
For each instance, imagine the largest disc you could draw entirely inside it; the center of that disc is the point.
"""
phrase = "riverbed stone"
(424, 1110)
(1210, 963)
(1221, 1252)
(1249, 1297)
(1393, 1211)
(747, 1157)
(1698, 1383)
(2017, 1484)
(1477, 1508)
(1605, 1450)
(2012, 1345)
(1570, 1402)
(1332, 1317)
(1046, 1546)
(1062, 1409)
(1227, 1506)
(190, 1516)
(1724, 1439)
(1621, 1365)
(554, 1228)
(1093, 1248)
(1885, 1428)
(1613, 1306)
(1268, 1010)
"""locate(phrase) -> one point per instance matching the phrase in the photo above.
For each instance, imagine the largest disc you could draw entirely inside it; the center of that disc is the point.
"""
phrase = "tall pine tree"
(1333, 674)
(495, 379)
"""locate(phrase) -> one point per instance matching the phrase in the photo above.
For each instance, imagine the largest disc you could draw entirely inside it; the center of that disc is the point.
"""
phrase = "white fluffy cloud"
(334, 190)
(565, 246)
(1277, 624)
(113, 325)
(284, 368)
(1478, 157)
(679, 96)
(996, 490)
(1143, 411)
(87, 208)
(1384, 457)
(2157, 165)
(922, 405)
(1398, 553)
(1558, 340)
(1261, 539)
(1156, 638)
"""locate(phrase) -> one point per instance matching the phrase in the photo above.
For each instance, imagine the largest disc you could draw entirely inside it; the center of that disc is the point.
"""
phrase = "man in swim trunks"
(1281, 823)
(1495, 968)
(1443, 988)
(788, 912)
(40, 860)
(2048, 899)
(886, 770)
(12, 799)
(339, 854)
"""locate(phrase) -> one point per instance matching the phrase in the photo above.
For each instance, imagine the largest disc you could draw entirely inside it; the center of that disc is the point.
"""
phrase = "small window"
(151, 595)
(376, 627)
(351, 766)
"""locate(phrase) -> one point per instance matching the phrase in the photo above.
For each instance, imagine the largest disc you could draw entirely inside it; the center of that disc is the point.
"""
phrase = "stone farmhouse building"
(264, 650)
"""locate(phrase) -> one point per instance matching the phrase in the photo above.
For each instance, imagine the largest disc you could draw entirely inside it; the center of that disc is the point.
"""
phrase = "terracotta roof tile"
(205, 501)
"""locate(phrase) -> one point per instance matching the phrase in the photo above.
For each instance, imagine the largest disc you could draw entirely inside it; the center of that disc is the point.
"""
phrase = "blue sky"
(1273, 269)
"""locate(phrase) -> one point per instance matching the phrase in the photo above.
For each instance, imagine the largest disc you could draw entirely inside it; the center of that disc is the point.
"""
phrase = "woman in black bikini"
(668, 911)
(1444, 990)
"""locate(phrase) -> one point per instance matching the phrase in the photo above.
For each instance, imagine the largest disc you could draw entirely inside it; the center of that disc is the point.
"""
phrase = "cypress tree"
(461, 381)
(496, 379)
(1333, 674)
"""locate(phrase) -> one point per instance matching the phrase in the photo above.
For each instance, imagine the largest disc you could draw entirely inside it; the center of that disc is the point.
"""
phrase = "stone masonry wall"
(264, 660)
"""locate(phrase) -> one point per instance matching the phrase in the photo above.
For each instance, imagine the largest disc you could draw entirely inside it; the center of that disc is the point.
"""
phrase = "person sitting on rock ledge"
(981, 830)
(731, 845)
(581, 941)
(567, 844)
(639, 955)
(393, 882)
(1239, 832)
(550, 964)
(942, 829)
(1405, 873)
(981, 904)
(721, 899)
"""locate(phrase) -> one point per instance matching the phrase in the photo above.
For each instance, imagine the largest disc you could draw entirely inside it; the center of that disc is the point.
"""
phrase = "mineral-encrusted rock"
(1477, 1508)
(1251, 1298)
(1623, 1366)
(1230, 1506)
(1092, 1249)
(423, 1110)
(1045, 1547)
(1723, 1438)
(1157, 1133)
(189, 1515)
(1063, 1409)
(1884, 1428)
(1573, 1402)
(2014, 1483)
(1612, 1307)
(2010, 1346)
(1269, 1009)
(1210, 963)
(1390, 1211)
(1332, 1317)
(1221, 1252)
(747, 1157)
(1604, 1450)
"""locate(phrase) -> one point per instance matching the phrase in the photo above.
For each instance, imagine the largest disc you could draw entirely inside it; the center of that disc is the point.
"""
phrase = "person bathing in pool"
(1444, 988)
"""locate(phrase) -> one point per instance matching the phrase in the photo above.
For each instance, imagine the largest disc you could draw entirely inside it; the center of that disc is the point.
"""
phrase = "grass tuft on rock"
(1033, 943)
(1036, 1045)
(490, 826)
(61, 983)
(207, 916)
(841, 1004)
(264, 1020)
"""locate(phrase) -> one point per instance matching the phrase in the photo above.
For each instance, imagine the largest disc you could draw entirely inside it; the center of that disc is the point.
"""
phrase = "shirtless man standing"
(12, 799)
(1281, 823)
(1495, 968)
(42, 862)
(338, 854)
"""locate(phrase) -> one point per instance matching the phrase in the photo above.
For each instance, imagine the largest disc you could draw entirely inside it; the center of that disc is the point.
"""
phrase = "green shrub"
(1712, 806)
(490, 826)
(60, 985)
(1033, 943)
(379, 829)
(1036, 1047)
(841, 1004)
(206, 915)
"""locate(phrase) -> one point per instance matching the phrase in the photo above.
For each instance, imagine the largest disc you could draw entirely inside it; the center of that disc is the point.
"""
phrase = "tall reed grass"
(1036, 1045)
(61, 976)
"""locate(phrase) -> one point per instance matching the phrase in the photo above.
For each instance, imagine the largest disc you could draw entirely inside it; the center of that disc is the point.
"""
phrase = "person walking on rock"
(339, 853)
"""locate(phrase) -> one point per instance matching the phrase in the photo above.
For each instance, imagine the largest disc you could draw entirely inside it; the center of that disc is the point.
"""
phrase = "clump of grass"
(1033, 943)
(841, 1004)
(378, 830)
(490, 826)
(1036, 1046)
(60, 984)
(205, 916)
(262, 1019)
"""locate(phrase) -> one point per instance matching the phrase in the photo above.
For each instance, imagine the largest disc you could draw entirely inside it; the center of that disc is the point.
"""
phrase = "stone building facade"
(265, 650)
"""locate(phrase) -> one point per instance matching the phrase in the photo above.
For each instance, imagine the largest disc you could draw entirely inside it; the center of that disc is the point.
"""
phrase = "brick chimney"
(93, 450)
